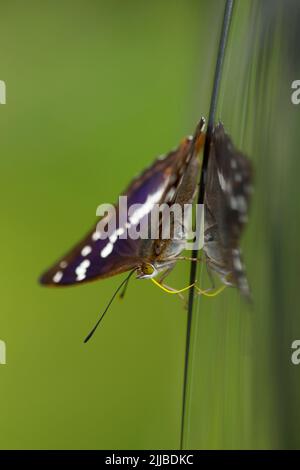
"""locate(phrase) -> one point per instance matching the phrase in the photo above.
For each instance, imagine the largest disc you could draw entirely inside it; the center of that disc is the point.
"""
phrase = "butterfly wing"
(95, 257)
(173, 235)
(227, 199)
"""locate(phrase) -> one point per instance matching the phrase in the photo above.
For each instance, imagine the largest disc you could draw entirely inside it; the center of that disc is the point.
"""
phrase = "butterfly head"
(146, 271)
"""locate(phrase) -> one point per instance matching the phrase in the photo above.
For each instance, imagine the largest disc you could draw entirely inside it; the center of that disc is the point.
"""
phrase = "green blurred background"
(96, 90)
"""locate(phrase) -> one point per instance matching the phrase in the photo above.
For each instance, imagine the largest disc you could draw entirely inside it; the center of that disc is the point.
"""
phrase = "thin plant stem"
(211, 119)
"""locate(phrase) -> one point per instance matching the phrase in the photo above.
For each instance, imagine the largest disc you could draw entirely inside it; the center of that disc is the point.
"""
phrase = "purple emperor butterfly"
(226, 205)
(171, 180)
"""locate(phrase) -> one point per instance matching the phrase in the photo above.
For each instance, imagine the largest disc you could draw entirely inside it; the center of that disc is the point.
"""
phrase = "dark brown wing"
(227, 198)
(174, 223)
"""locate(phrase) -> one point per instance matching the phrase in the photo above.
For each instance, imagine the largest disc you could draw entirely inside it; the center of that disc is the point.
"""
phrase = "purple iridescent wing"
(95, 257)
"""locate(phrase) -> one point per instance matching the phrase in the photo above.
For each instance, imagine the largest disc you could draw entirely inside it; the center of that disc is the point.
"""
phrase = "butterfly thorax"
(159, 256)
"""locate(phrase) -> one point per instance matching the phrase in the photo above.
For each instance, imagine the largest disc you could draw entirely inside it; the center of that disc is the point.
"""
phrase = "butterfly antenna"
(124, 290)
(124, 282)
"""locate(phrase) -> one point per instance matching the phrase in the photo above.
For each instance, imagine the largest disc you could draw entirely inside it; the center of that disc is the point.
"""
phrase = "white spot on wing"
(243, 284)
(63, 264)
(114, 236)
(106, 250)
(170, 193)
(241, 203)
(86, 250)
(237, 263)
(146, 207)
(222, 181)
(96, 236)
(120, 231)
(57, 277)
(112, 239)
(81, 270)
(225, 186)
(233, 203)
(238, 177)
(233, 164)
(134, 219)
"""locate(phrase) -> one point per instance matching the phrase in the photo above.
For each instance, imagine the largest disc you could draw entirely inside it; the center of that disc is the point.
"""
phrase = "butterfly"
(226, 205)
(171, 180)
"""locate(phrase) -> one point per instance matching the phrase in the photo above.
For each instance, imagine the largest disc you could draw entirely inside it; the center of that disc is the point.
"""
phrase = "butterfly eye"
(148, 269)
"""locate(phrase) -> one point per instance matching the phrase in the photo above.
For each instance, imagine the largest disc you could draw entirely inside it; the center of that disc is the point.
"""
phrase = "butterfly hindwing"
(228, 190)
(234, 173)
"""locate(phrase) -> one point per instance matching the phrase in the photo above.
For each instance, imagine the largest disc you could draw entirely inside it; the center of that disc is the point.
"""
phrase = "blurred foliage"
(95, 90)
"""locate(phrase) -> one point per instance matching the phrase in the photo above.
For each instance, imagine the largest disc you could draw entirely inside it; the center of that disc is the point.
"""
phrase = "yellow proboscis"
(169, 291)
(175, 291)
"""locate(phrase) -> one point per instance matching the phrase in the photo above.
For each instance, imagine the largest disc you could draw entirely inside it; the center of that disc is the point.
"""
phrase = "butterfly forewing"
(95, 257)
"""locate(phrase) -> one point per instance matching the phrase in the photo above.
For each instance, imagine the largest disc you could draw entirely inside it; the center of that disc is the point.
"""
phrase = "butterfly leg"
(211, 291)
(211, 278)
(161, 279)
(173, 290)
(187, 258)
(166, 273)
